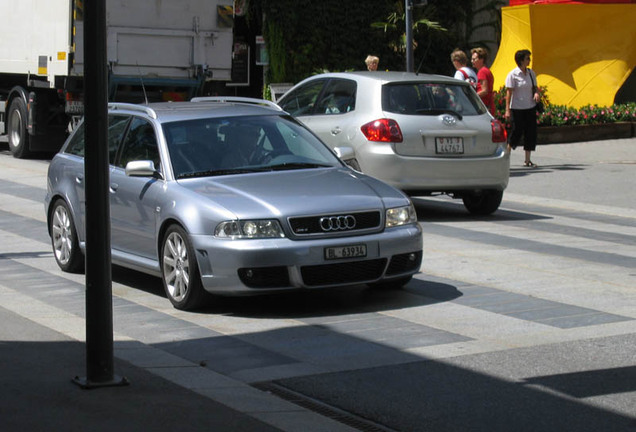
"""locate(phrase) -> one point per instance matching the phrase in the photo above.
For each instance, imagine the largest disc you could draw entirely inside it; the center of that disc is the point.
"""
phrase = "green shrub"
(559, 115)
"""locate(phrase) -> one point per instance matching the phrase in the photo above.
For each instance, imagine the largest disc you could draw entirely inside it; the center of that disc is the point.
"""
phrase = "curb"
(582, 133)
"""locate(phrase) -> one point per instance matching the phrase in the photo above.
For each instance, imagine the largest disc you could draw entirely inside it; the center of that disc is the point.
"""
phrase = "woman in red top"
(485, 80)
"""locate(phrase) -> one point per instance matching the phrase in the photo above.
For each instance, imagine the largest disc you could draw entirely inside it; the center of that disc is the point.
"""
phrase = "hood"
(298, 192)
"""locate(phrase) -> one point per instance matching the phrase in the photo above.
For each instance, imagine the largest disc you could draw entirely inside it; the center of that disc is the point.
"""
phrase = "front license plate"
(352, 251)
(449, 145)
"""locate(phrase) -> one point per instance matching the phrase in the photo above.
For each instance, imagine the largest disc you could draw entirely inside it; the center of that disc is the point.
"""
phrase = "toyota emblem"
(337, 223)
(449, 120)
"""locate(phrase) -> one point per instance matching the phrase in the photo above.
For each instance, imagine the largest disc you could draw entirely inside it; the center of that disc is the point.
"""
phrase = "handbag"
(539, 105)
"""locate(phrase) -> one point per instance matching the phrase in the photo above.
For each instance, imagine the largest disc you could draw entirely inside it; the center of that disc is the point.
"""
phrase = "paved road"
(525, 320)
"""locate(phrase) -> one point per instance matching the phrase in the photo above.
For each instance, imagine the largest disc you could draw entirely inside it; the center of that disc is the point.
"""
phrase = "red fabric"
(484, 74)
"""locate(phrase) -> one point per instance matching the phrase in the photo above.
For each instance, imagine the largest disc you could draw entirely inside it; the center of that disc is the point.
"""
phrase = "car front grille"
(311, 225)
(341, 273)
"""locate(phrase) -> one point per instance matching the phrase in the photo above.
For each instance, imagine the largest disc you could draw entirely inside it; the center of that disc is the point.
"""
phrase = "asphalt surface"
(42, 350)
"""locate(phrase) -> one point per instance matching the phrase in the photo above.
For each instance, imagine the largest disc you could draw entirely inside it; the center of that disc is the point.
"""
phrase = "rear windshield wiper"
(438, 111)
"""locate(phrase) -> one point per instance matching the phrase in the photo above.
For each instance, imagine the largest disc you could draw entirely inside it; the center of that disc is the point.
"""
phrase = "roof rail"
(237, 99)
(132, 107)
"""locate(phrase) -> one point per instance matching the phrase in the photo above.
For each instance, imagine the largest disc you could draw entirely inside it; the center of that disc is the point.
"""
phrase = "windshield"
(234, 145)
(419, 98)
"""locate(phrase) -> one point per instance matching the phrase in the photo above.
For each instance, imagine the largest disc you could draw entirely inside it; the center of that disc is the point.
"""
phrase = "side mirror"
(141, 168)
(348, 156)
(345, 153)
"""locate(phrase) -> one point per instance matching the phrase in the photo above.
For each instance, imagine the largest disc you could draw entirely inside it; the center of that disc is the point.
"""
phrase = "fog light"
(249, 274)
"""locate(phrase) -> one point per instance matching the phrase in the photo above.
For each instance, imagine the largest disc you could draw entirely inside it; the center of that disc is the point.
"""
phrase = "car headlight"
(249, 229)
(400, 216)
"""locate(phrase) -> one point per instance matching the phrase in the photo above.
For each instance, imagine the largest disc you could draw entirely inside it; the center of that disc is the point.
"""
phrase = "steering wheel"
(261, 156)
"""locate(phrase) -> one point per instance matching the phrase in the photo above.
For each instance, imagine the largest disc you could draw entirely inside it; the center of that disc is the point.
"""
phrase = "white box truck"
(156, 50)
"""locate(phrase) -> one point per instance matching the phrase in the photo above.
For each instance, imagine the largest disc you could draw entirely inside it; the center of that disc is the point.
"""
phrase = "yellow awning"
(583, 53)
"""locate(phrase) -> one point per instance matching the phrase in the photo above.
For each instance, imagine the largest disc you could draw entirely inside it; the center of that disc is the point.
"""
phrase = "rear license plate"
(74, 107)
(449, 145)
(352, 251)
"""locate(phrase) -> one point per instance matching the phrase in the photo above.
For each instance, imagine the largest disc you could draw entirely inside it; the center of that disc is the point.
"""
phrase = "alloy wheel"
(176, 267)
(61, 231)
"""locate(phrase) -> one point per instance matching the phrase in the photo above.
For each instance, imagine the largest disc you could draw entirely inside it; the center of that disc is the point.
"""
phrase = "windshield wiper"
(438, 111)
(296, 165)
(211, 173)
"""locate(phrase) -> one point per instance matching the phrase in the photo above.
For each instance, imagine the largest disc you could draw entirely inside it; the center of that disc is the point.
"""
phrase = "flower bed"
(560, 123)
(584, 132)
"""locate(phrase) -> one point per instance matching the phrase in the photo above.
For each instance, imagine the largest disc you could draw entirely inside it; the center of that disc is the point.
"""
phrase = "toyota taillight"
(382, 130)
(498, 131)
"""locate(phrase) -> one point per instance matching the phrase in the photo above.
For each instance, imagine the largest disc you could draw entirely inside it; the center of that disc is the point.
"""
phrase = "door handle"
(113, 187)
(336, 130)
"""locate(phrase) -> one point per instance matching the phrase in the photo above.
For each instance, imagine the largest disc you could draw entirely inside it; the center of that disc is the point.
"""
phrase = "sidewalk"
(38, 394)
(40, 354)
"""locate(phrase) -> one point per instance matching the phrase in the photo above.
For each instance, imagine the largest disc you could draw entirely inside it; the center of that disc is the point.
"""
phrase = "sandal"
(529, 164)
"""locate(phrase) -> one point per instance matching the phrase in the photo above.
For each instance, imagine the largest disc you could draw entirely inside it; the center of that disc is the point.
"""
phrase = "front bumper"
(235, 267)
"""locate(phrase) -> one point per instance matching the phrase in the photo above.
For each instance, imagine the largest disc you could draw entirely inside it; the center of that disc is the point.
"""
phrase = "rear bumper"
(436, 174)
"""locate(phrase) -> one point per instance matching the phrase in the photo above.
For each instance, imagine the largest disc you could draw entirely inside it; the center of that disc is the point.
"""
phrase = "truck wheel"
(483, 203)
(18, 135)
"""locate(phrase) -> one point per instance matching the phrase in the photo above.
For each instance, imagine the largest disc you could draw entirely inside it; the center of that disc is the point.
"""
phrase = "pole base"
(87, 384)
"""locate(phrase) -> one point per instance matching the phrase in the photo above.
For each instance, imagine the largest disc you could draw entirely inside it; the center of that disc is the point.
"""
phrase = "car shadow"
(453, 210)
(137, 280)
(306, 303)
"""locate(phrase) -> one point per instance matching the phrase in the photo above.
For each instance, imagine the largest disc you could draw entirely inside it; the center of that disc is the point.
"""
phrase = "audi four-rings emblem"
(337, 223)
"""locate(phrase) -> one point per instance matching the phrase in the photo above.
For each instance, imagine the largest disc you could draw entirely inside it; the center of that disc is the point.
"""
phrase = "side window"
(298, 144)
(403, 98)
(116, 128)
(76, 146)
(302, 100)
(140, 144)
(339, 97)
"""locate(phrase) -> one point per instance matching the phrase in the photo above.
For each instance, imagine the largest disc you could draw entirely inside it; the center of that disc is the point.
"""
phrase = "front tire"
(180, 272)
(68, 254)
(18, 136)
(483, 203)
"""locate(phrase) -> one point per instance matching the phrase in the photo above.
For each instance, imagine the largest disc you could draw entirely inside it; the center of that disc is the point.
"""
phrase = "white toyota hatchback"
(424, 134)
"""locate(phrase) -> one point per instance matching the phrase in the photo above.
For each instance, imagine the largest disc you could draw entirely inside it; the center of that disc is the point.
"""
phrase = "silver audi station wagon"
(232, 196)
(423, 134)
